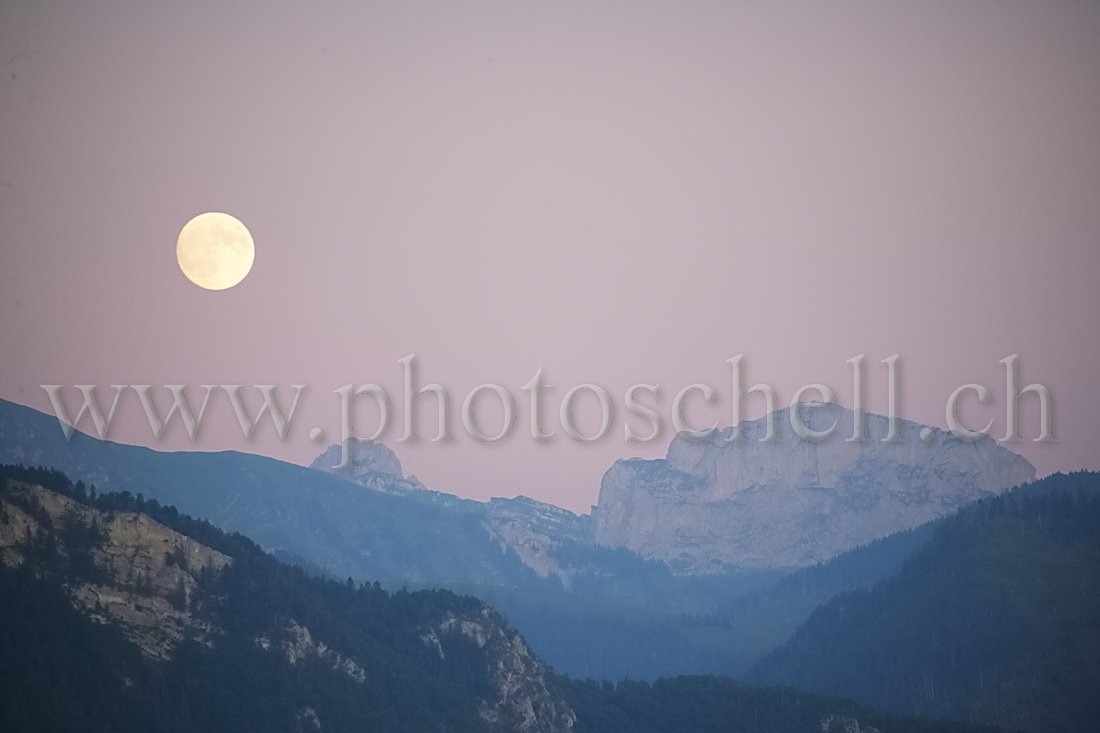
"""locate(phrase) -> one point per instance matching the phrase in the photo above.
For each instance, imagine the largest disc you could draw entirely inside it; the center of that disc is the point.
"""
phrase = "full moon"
(215, 251)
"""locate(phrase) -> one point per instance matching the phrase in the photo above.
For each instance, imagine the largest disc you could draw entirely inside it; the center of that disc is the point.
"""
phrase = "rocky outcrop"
(535, 531)
(843, 724)
(376, 467)
(145, 573)
(721, 503)
(523, 702)
(307, 721)
(364, 456)
(297, 644)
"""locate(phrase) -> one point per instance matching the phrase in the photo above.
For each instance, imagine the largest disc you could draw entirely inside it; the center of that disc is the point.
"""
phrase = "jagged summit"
(365, 456)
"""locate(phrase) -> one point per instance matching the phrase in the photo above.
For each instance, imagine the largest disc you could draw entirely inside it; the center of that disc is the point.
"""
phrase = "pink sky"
(619, 193)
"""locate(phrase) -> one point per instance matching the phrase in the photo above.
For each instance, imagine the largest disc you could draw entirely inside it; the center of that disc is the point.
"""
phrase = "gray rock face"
(366, 457)
(535, 531)
(375, 466)
(717, 503)
(521, 700)
(842, 724)
(149, 572)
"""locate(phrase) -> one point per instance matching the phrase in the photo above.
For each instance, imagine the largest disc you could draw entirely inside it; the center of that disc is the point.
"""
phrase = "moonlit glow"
(215, 251)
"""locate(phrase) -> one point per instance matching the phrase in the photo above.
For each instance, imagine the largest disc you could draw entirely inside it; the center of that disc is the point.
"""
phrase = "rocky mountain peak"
(724, 502)
(366, 457)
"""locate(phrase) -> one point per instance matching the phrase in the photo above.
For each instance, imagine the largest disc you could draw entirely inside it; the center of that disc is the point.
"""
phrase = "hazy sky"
(619, 193)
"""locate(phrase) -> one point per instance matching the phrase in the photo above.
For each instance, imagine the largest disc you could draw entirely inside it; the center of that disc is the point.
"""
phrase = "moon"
(215, 251)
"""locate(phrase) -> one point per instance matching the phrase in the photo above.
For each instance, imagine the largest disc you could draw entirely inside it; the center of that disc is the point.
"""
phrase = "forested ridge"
(61, 671)
(996, 619)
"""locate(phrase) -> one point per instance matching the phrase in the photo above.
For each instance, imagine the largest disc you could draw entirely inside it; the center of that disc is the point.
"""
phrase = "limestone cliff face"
(791, 502)
(145, 573)
(535, 531)
(377, 467)
(523, 701)
(365, 457)
(844, 724)
(297, 644)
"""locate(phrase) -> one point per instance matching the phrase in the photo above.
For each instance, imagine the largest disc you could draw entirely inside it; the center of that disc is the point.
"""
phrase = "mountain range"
(639, 588)
(121, 614)
(978, 604)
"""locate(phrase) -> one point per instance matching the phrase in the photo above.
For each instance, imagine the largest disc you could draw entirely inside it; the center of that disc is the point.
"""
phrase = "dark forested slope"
(996, 619)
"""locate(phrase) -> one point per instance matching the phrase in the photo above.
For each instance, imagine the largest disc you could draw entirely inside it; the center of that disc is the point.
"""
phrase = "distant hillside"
(603, 640)
(996, 619)
(765, 619)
